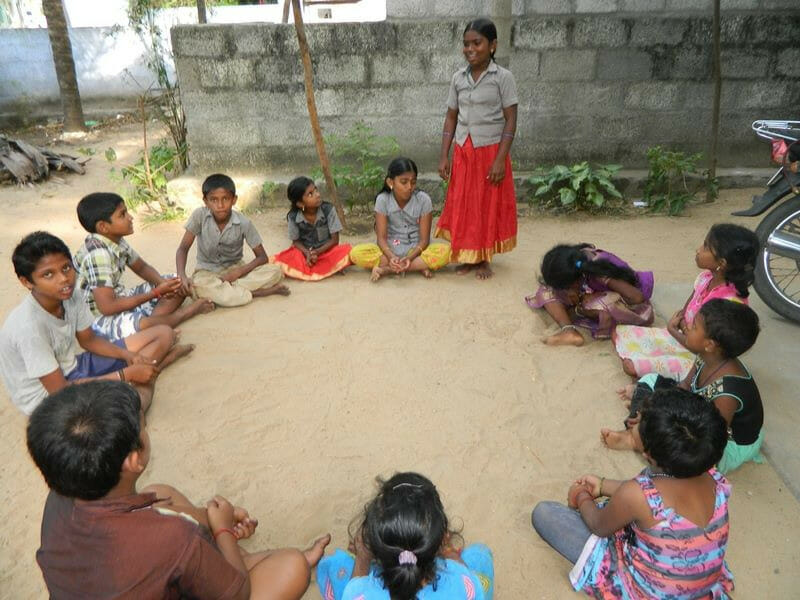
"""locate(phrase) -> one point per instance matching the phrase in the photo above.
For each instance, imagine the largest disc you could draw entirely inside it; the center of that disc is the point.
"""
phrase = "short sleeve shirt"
(101, 262)
(314, 235)
(217, 250)
(403, 223)
(34, 343)
(127, 549)
(480, 103)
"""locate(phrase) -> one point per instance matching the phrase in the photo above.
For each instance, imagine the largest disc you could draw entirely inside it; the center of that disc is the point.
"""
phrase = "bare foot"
(176, 352)
(198, 307)
(483, 270)
(277, 289)
(377, 273)
(626, 392)
(426, 273)
(464, 269)
(628, 368)
(617, 440)
(567, 337)
(315, 551)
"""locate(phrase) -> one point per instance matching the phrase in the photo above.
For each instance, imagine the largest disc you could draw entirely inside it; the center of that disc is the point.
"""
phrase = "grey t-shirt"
(402, 230)
(314, 235)
(34, 343)
(217, 250)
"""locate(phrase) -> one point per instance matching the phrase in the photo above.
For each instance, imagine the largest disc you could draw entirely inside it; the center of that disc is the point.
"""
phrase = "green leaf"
(568, 196)
(541, 190)
(111, 155)
(597, 199)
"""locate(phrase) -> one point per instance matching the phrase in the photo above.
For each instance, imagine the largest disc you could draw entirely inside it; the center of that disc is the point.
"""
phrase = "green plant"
(667, 187)
(579, 187)
(87, 151)
(358, 162)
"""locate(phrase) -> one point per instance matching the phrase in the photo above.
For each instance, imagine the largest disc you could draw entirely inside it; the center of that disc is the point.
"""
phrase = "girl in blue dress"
(403, 549)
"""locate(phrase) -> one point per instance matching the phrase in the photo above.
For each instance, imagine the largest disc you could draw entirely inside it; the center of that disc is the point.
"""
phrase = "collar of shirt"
(117, 249)
(395, 207)
(234, 220)
(492, 68)
(128, 503)
(301, 218)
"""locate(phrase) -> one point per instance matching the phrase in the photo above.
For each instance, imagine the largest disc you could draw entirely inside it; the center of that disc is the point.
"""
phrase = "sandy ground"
(291, 406)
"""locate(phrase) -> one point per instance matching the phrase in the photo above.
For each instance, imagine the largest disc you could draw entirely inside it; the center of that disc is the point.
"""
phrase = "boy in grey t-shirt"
(38, 350)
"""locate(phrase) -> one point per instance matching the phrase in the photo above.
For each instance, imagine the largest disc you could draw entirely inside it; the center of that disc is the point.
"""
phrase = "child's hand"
(168, 287)
(312, 257)
(574, 491)
(231, 275)
(676, 321)
(592, 482)
(444, 168)
(134, 358)
(498, 172)
(403, 265)
(186, 286)
(626, 393)
(220, 514)
(632, 422)
(395, 264)
(245, 526)
(143, 374)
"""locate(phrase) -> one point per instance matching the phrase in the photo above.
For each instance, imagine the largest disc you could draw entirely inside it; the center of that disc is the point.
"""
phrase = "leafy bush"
(666, 188)
(579, 187)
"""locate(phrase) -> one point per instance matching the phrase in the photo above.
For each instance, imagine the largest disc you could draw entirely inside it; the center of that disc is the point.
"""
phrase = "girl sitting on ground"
(720, 333)
(314, 229)
(662, 534)
(403, 549)
(403, 220)
(728, 258)
(582, 286)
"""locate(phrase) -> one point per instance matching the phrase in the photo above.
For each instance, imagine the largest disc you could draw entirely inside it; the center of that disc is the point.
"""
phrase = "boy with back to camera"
(221, 274)
(38, 353)
(101, 538)
(101, 263)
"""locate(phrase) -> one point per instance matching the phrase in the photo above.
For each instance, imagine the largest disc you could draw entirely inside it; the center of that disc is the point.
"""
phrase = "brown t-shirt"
(126, 548)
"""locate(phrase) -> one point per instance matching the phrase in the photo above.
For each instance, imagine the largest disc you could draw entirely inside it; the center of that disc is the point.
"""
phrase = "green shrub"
(667, 187)
(579, 187)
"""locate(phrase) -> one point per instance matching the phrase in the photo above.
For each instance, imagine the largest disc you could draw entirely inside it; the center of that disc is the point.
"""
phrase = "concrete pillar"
(501, 15)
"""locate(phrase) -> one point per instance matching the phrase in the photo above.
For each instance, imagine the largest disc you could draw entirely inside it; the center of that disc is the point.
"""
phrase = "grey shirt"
(314, 235)
(34, 343)
(480, 103)
(217, 250)
(402, 232)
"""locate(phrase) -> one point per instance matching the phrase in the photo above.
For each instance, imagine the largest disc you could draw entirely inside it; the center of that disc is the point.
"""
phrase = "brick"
(595, 6)
(540, 33)
(235, 73)
(641, 5)
(525, 66)
(652, 96)
(789, 62)
(394, 69)
(194, 40)
(623, 64)
(568, 65)
(744, 64)
(651, 32)
(600, 32)
(548, 7)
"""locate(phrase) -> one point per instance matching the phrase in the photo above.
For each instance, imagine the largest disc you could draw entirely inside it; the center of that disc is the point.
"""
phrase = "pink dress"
(654, 350)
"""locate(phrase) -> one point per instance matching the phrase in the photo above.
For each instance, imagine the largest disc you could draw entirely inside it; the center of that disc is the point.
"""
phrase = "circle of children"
(695, 410)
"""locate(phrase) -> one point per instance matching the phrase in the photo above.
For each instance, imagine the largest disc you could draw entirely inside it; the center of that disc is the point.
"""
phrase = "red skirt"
(479, 218)
(293, 263)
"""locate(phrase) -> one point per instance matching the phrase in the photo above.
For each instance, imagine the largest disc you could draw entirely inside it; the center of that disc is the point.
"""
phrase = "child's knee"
(165, 335)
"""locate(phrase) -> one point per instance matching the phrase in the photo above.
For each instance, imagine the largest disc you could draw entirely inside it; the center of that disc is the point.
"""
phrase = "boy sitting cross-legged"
(38, 353)
(101, 262)
(221, 275)
(101, 538)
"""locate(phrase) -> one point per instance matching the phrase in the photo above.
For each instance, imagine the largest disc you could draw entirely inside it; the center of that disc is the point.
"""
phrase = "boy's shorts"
(94, 365)
(121, 325)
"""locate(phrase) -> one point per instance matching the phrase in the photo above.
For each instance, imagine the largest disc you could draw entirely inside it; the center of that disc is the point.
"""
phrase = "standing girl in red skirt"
(480, 211)
(314, 229)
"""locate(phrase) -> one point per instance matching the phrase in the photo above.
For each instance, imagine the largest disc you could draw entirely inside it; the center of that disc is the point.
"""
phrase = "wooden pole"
(201, 11)
(717, 77)
(312, 109)
(285, 17)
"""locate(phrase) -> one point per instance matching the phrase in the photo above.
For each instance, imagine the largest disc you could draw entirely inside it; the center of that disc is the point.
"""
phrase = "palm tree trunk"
(65, 66)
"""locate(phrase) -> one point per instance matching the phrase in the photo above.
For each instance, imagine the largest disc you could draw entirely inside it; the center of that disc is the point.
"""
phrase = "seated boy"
(221, 274)
(101, 262)
(101, 538)
(38, 354)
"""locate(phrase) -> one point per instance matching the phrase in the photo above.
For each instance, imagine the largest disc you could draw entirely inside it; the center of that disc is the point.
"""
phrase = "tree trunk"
(717, 77)
(65, 65)
(312, 109)
(201, 11)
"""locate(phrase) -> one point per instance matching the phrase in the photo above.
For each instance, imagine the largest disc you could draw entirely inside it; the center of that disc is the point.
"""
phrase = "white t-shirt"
(34, 343)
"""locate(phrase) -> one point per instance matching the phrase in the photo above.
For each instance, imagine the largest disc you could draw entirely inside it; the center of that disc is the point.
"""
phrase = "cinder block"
(525, 66)
(745, 64)
(595, 6)
(740, 95)
(458, 8)
(442, 67)
(429, 100)
(224, 132)
(561, 127)
(237, 73)
(289, 131)
(733, 30)
(568, 65)
(196, 40)
(540, 33)
(692, 63)
(586, 98)
(641, 5)
(704, 5)
(247, 104)
(624, 64)
(188, 75)
(398, 69)
(278, 74)
(652, 96)
(548, 7)
(697, 95)
(250, 39)
(429, 35)
(745, 4)
(405, 9)
(789, 62)
(335, 102)
(354, 38)
(652, 32)
(604, 32)
(340, 70)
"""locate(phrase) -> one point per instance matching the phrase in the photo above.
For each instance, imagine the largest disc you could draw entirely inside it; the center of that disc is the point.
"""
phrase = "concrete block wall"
(602, 87)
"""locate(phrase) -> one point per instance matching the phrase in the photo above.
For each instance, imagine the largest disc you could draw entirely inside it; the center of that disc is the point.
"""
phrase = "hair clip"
(407, 557)
(578, 264)
(406, 484)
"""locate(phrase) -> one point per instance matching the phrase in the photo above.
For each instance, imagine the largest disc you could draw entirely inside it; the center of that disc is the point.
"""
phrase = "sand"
(291, 406)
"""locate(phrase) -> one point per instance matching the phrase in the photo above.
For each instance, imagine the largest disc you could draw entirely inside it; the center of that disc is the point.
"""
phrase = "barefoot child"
(101, 263)
(314, 229)
(38, 354)
(663, 534)
(404, 550)
(727, 259)
(403, 219)
(103, 538)
(480, 211)
(721, 332)
(582, 286)
(221, 274)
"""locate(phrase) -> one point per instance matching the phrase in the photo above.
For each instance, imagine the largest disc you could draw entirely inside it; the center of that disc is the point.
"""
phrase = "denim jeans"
(562, 528)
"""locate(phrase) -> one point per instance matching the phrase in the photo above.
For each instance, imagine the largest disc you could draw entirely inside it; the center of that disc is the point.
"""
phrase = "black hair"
(398, 166)
(216, 181)
(97, 207)
(406, 515)
(732, 325)
(80, 436)
(485, 27)
(33, 248)
(739, 247)
(296, 190)
(682, 432)
(565, 264)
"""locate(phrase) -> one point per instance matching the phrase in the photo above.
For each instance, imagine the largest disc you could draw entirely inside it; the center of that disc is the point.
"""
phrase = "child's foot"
(565, 337)
(377, 273)
(483, 270)
(464, 269)
(625, 393)
(176, 352)
(617, 440)
(315, 551)
(198, 307)
(277, 289)
(426, 273)
(628, 368)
